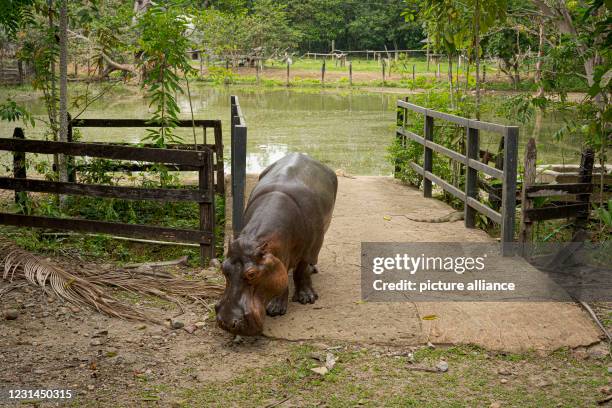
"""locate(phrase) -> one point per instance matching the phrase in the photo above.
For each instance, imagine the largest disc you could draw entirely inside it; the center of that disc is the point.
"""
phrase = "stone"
(215, 263)
(11, 314)
(495, 405)
(442, 366)
(504, 371)
(320, 370)
(190, 328)
(504, 381)
(176, 324)
(200, 325)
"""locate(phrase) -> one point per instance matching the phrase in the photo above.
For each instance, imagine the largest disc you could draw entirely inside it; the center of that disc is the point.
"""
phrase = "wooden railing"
(239, 148)
(201, 159)
(216, 146)
(469, 195)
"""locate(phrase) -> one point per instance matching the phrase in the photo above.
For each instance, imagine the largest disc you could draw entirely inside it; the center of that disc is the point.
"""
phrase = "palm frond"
(86, 288)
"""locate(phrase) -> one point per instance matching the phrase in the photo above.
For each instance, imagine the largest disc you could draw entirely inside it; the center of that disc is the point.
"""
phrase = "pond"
(346, 130)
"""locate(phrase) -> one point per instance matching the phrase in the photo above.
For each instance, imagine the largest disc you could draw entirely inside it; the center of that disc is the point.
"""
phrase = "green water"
(346, 130)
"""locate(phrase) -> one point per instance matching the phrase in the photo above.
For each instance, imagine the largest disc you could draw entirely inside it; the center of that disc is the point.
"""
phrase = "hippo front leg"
(304, 293)
(278, 305)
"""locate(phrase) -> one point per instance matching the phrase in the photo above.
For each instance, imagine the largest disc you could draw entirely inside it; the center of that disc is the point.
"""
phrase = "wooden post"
(288, 64)
(201, 64)
(509, 189)
(257, 71)
(70, 167)
(383, 61)
(529, 179)
(471, 180)
(218, 133)
(438, 72)
(484, 73)
(207, 210)
(413, 73)
(585, 176)
(239, 148)
(350, 73)
(19, 171)
(323, 72)
(428, 155)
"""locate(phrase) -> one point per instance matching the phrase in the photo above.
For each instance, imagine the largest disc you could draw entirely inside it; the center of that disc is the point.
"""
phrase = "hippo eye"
(251, 274)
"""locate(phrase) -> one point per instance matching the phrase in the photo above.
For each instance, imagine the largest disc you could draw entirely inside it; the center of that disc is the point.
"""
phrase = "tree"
(510, 46)
(63, 87)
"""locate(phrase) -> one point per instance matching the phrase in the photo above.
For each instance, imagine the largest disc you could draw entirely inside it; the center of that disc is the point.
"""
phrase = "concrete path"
(362, 213)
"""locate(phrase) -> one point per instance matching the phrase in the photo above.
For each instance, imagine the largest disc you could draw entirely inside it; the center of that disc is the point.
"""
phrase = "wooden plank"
(239, 147)
(218, 153)
(174, 146)
(486, 169)
(485, 126)
(483, 209)
(508, 209)
(138, 123)
(207, 211)
(553, 213)
(412, 136)
(471, 179)
(586, 176)
(440, 182)
(104, 151)
(551, 190)
(526, 203)
(121, 192)
(428, 155)
(104, 227)
(19, 171)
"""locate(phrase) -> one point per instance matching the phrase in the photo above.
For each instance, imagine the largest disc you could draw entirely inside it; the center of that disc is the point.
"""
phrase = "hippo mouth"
(246, 327)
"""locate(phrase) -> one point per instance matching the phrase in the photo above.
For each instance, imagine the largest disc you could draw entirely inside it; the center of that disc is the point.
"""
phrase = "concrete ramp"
(373, 209)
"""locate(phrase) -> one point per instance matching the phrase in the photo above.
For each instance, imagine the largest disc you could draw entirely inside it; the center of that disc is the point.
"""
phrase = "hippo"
(286, 217)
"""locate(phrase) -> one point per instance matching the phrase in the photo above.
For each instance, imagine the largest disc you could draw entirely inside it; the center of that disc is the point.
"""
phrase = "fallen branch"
(179, 261)
(144, 241)
(596, 319)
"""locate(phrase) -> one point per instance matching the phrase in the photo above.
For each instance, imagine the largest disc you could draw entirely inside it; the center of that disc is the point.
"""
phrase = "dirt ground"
(376, 354)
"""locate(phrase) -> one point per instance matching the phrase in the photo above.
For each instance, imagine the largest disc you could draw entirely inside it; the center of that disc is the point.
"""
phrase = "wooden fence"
(473, 165)
(216, 146)
(579, 208)
(200, 158)
(238, 153)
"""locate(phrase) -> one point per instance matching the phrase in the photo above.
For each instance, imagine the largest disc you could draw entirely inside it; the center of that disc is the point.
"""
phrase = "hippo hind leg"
(278, 305)
(304, 293)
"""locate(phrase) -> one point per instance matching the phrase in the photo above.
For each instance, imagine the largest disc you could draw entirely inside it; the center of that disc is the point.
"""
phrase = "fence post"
(19, 171)
(383, 63)
(238, 178)
(323, 72)
(509, 189)
(351, 73)
(70, 167)
(288, 72)
(207, 210)
(585, 176)
(413, 73)
(471, 180)
(219, 158)
(428, 154)
(529, 179)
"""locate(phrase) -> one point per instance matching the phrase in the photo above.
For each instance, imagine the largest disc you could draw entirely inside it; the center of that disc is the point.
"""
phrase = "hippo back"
(311, 186)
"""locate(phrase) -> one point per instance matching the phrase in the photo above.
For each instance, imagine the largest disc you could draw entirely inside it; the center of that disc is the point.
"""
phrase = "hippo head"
(253, 276)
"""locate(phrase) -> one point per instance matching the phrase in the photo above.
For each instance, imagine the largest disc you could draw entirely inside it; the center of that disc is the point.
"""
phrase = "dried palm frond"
(86, 287)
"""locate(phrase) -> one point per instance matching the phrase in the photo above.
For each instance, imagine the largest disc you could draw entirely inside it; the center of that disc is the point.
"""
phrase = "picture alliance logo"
(413, 264)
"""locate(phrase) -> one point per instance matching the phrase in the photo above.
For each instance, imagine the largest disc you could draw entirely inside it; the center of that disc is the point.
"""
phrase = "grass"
(369, 379)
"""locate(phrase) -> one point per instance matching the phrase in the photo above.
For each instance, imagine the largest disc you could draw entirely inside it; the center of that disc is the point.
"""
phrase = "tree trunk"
(477, 50)
(539, 63)
(450, 80)
(63, 82)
